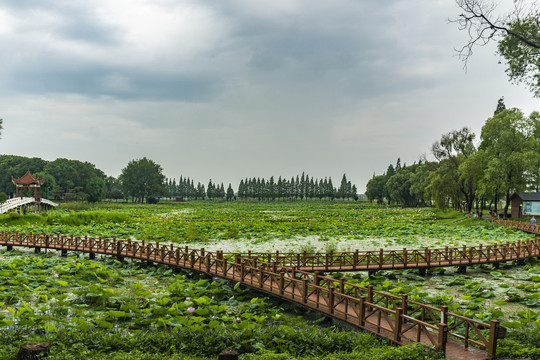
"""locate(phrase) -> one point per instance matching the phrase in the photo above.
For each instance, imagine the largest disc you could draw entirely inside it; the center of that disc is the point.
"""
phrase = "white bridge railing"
(16, 202)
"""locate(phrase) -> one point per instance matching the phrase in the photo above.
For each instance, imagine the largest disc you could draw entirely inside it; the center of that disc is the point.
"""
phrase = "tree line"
(302, 187)
(469, 176)
(142, 180)
(297, 188)
(64, 179)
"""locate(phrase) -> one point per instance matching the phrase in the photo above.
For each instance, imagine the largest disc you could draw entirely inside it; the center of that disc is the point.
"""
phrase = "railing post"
(444, 314)
(224, 268)
(305, 291)
(397, 325)
(369, 296)
(119, 251)
(404, 305)
(355, 259)
(326, 260)
(362, 311)
(316, 278)
(281, 283)
(443, 337)
(405, 257)
(331, 299)
(493, 335)
(381, 257)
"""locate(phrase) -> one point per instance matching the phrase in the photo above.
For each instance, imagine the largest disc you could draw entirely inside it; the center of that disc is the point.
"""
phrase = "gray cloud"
(239, 88)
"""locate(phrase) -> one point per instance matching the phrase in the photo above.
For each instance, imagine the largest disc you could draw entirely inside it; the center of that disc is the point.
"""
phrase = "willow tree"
(452, 151)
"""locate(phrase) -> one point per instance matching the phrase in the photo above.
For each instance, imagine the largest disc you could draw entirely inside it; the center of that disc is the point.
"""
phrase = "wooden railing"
(520, 225)
(398, 259)
(394, 317)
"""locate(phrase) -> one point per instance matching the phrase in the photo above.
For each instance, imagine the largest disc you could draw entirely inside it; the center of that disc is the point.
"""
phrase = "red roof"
(27, 179)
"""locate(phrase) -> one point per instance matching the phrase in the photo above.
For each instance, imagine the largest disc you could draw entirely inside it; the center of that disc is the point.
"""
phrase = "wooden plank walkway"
(394, 317)
(399, 259)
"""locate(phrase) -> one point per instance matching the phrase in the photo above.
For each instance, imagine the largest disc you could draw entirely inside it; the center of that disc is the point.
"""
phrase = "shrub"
(13, 214)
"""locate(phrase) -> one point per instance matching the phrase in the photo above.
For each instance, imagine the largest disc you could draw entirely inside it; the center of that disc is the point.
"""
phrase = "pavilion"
(27, 181)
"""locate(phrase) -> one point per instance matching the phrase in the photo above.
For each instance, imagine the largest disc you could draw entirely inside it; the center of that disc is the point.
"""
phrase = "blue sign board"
(531, 208)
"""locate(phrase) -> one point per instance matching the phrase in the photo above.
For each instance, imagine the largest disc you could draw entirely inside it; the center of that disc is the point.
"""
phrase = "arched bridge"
(394, 317)
(21, 201)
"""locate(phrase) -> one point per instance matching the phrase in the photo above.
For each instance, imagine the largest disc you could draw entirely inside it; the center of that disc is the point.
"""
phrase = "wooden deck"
(296, 278)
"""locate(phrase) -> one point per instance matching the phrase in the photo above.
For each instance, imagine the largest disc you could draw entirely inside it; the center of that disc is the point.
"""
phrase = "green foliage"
(95, 189)
(88, 218)
(142, 178)
(334, 223)
(521, 344)
(521, 57)
(13, 214)
(466, 178)
(73, 178)
(85, 308)
(3, 197)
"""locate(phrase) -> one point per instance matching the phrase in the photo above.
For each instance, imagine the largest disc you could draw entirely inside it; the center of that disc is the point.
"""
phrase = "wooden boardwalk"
(399, 259)
(296, 278)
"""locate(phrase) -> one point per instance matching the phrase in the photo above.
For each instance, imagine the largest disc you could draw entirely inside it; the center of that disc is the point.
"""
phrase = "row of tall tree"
(300, 188)
(466, 175)
(186, 189)
(297, 188)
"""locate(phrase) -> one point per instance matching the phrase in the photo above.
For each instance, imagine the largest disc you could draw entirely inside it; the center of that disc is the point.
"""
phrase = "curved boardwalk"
(295, 277)
(400, 259)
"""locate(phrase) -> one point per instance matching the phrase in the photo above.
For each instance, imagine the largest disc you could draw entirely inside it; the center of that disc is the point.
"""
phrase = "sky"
(233, 89)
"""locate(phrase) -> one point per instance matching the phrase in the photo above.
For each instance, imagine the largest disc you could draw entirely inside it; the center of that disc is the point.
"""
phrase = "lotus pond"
(288, 226)
(124, 300)
(132, 310)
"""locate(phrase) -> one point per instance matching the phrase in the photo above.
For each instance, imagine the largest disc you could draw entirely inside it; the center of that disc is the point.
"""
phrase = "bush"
(13, 214)
(152, 200)
(3, 197)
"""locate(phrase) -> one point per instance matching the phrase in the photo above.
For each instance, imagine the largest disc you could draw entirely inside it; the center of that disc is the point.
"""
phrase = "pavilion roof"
(27, 179)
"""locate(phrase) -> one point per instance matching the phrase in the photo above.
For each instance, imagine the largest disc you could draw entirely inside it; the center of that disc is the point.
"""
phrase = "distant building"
(525, 204)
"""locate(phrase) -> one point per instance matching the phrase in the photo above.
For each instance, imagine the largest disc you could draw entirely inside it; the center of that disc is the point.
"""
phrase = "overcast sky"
(230, 89)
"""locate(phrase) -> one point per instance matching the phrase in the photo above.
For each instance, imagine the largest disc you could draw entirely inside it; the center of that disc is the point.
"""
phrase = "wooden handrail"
(389, 315)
